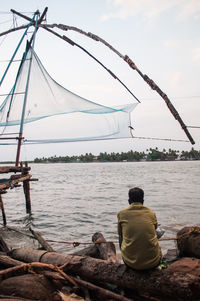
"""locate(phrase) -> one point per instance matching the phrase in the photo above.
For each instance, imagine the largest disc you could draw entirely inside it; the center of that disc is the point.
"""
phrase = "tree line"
(151, 154)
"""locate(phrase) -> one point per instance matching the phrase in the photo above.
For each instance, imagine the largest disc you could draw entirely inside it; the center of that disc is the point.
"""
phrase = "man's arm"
(119, 232)
(159, 231)
(120, 241)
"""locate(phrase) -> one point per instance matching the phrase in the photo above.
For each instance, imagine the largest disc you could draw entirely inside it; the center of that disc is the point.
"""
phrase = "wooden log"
(3, 245)
(7, 261)
(42, 241)
(13, 298)
(53, 275)
(101, 291)
(28, 286)
(36, 268)
(157, 283)
(188, 241)
(107, 250)
(91, 251)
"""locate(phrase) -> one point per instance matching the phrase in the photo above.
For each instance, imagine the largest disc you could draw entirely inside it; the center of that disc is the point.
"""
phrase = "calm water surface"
(72, 201)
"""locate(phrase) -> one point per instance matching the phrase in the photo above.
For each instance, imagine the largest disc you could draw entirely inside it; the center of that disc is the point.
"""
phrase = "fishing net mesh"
(55, 114)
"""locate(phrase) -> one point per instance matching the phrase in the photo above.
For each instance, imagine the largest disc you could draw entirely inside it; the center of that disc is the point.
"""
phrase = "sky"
(161, 37)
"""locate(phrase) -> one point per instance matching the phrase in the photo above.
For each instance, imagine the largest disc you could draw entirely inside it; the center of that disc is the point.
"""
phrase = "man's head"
(136, 195)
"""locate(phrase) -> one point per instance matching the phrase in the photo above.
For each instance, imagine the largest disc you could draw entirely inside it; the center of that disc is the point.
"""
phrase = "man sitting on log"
(137, 233)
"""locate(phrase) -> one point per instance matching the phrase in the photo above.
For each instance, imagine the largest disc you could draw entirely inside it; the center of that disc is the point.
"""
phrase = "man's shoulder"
(147, 209)
(136, 208)
(122, 211)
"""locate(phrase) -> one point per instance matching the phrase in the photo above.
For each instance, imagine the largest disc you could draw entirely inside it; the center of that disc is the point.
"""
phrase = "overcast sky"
(161, 37)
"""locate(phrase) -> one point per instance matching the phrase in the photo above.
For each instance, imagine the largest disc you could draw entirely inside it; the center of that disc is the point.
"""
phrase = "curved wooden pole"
(132, 65)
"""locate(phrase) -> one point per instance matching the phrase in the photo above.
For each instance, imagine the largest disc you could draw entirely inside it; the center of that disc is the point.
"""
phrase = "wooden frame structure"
(20, 174)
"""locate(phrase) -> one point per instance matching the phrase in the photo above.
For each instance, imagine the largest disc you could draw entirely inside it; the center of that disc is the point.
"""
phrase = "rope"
(194, 127)
(162, 139)
(92, 56)
(77, 243)
(155, 138)
(194, 230)
(149, 81)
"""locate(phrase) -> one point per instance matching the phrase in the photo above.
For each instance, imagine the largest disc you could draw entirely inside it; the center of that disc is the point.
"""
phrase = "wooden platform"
(19, 174)
(7, 169)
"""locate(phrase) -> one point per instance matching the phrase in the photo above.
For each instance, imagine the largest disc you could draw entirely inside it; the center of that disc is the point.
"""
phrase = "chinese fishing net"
(54, 114)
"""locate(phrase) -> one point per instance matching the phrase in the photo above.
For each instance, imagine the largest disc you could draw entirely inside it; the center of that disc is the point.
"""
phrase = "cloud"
(196, 54)
(189, 9)
(171, 44)
(151, 8)
(176, 79)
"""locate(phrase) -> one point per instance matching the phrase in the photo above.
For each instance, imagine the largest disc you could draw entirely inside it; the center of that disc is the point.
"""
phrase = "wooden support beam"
(42, 241)
(3, 211)
(26, 186)
(7, 185)
(7, 169)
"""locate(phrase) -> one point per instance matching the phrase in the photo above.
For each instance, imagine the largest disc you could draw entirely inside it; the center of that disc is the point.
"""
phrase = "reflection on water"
(71, 202)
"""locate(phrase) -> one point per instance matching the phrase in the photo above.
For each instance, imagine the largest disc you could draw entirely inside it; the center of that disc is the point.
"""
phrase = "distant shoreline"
(151, 155)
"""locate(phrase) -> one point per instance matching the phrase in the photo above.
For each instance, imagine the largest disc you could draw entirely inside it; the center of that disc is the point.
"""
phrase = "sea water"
(72, 201)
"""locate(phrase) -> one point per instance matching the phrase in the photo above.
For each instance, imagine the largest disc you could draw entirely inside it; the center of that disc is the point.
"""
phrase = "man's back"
(140, 249)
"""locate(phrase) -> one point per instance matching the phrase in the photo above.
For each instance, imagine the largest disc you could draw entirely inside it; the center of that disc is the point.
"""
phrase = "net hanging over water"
(55, 114)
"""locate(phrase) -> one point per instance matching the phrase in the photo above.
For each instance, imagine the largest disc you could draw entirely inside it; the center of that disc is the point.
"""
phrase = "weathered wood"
(8, 184)
(7, 169)
(28, 286)
(157, 283)
(188, 241)
(7, 261)
(101, 291)
(3, 245)
(26, 186)
(13, 298)
(107, 250)
(91, 251)
(42, 241)
(3, 211)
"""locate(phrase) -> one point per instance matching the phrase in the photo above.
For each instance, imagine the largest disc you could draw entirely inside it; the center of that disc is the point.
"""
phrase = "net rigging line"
(90, 120)
(132, 65)
(193, 126)
(77, 243)
(72, 43)
(160, 139)
(154, 138)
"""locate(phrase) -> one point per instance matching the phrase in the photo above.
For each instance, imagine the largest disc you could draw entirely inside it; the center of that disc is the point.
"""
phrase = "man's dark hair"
(136, 195)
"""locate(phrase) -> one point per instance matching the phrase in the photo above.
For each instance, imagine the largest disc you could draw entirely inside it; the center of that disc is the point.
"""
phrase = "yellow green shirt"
(140, 249)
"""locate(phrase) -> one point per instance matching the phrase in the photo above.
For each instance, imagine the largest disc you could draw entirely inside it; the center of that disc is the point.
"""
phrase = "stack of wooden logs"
(95, 273)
